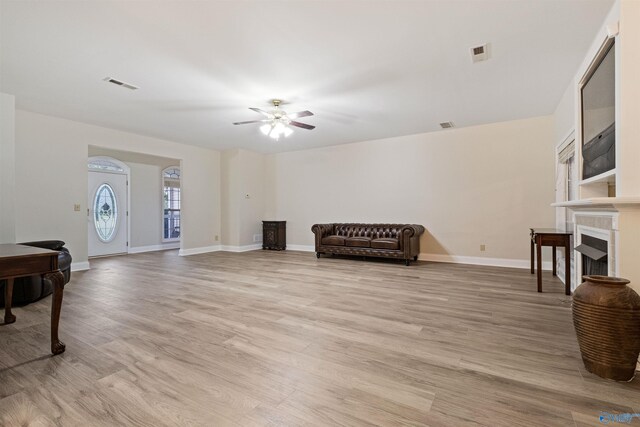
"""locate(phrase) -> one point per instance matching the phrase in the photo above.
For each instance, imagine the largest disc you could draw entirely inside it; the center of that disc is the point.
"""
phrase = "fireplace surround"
(594, 255)
(615, 220)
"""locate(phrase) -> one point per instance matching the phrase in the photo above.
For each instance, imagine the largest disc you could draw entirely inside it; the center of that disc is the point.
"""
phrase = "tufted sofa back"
(374, 231)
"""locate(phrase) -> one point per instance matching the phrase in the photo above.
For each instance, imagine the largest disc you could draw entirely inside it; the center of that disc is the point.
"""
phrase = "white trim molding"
(301, 248)
(201, 250)
(80, 266)
(456, 259)
(153, 248)
(494, 262)
(245, 248)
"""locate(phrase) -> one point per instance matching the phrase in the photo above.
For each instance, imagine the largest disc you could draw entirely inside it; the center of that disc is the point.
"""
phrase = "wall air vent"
(120, 83)
(480, 53)
(446, 125)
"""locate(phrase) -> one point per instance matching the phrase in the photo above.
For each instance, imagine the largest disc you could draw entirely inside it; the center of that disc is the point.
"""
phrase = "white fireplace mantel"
(601, 203)
(616, 220)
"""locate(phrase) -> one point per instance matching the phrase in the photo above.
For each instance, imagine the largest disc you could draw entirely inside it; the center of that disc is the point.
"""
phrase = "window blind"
(567, 152)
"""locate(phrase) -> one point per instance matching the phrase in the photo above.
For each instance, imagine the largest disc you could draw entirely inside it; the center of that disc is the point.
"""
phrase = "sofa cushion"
(360, 242)
(333, 240)
(385, 243)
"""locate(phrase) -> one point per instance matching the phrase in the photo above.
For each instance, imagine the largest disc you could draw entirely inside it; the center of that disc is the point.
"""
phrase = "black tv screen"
(598, 118)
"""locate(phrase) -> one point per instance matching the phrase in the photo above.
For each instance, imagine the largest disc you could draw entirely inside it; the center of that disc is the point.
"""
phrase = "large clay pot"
(606, 315)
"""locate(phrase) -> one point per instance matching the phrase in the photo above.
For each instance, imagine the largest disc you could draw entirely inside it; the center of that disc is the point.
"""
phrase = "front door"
(107, 219)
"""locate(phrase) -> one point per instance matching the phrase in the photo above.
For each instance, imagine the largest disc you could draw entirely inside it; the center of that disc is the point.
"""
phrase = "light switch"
(76, 207)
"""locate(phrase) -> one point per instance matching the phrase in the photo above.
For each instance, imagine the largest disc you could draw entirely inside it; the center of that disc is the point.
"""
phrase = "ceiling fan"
(278, 122)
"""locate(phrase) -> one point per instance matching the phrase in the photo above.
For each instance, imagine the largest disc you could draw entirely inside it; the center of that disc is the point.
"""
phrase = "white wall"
(146, 205)
(51, 176)
(564, 118)
(470, 186)
(243, 196)
(628, 126)
(7, 169)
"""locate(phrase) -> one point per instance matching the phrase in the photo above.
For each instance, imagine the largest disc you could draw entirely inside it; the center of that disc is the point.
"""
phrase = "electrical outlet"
(483, 248)
(216, 237)
(257, 238)
(76, 207)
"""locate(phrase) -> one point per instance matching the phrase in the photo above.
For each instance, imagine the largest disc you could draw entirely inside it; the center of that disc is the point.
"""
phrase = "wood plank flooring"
(282, 339)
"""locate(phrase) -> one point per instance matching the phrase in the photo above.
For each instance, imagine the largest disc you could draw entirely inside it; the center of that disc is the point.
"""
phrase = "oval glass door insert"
(105, 216)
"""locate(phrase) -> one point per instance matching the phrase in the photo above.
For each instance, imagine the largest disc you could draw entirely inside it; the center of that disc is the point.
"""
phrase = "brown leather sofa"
(400, 241)
(29, 289)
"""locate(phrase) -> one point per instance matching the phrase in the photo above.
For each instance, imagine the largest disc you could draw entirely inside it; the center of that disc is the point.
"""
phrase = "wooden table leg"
(554, 260)
(539, 261)
(8, 296)
(57, 279)
(532, 251)
(567, 267)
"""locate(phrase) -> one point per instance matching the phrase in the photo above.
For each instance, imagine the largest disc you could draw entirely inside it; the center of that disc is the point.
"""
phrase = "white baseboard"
(80, 266)
(301, 248)
(494, 262)
(456, 259)
(152, 248)
(201, 250)
(245, 248)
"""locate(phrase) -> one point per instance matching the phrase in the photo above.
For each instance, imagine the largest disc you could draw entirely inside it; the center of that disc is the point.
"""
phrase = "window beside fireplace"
(566, 180)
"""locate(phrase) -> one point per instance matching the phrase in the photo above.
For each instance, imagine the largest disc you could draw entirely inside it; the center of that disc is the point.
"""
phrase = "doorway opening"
(149, 214)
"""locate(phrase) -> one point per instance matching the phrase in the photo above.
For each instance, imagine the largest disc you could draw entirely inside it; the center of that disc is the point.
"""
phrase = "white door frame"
(126, 170)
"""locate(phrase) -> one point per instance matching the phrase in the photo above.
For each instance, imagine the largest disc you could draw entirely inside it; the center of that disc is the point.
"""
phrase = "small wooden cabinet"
(274, 235)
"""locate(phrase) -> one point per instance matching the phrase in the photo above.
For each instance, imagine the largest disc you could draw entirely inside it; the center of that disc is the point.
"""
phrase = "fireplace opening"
(594, 255)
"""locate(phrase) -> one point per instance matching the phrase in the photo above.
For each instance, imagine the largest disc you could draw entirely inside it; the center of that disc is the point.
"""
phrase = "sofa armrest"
(410, 240)
(412, 230)
(321, 230)
(54, 245)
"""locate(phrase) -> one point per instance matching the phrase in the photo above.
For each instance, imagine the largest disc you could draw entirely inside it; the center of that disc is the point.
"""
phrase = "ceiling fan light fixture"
(265, 129)
(279, 127)
(278, 130)
(278, 122)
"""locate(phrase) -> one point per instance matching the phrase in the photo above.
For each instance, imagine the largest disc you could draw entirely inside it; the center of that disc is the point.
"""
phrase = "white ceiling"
(367, 69)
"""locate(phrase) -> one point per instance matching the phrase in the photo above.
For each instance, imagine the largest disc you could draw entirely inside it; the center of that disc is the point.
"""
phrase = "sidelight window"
(171, 203)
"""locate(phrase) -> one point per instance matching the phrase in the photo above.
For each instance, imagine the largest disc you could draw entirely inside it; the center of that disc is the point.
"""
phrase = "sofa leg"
(415, 258)
(407, 262)
(318, 255)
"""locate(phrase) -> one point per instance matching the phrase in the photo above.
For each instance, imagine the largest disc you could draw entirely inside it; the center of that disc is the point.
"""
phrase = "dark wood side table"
(551, 237)
(20, 261)
(274, 235)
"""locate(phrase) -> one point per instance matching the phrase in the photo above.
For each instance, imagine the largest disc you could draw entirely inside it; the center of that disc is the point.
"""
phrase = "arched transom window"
(102, 164)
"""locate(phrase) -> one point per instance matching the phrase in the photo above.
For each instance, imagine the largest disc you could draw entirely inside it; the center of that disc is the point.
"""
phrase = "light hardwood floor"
(280, 338)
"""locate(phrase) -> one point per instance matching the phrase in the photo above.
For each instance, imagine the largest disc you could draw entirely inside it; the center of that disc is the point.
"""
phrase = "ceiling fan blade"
(300, 114)
(301, 125)
(251, 121)
(257, 110)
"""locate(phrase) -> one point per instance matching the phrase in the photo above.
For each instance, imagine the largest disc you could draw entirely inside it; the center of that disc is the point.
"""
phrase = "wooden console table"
(551, 237)
(20, 261)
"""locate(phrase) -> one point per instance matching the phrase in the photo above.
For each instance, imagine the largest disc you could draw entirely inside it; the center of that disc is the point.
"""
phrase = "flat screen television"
(599, 117)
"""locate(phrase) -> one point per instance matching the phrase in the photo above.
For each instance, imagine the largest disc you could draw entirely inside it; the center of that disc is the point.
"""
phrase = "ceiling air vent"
(446, 125)
(480, 53)
(120, 83)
